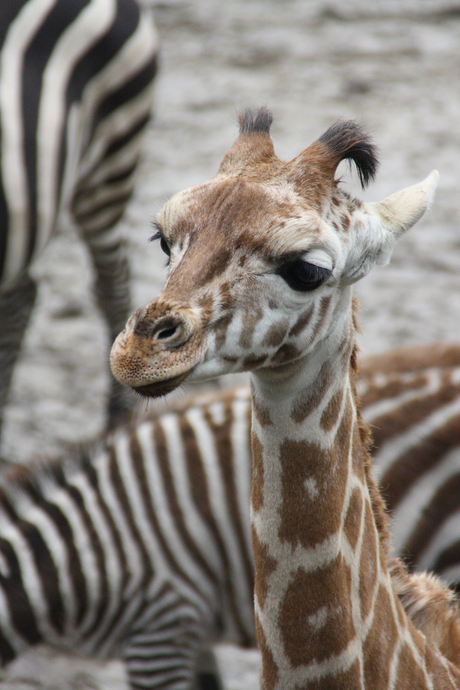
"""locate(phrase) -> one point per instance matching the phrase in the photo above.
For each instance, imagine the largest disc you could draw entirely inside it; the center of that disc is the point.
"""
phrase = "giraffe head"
(261, 259)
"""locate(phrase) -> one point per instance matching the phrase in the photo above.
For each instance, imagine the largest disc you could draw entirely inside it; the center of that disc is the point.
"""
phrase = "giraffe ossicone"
(262, 262)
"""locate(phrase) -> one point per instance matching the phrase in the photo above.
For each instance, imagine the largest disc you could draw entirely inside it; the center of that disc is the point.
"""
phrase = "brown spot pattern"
(359, 454)
(220, 330)
(260, 412)
(438, 669)
(380, 644)
(205, 302)
(368, 567)
(351, 678)
(315, 619)
(286, 353)
(276, 333)
(352, 523)
(409, 674)
(250, 321)
(257, 491)
(253, 362)
(229, 360)
(345, 221)
(324, 306)
(303, 320)
(312, 396)
(331, 413)
(304, 522)
(265, 565)
(269, 668)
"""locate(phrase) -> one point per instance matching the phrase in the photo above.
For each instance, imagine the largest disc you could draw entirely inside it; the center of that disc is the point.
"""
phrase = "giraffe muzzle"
(158, 349)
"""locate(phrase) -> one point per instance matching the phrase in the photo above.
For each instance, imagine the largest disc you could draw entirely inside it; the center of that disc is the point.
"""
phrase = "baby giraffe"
(262, 262)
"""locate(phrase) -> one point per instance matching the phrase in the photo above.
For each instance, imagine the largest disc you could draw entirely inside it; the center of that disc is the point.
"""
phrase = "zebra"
(76, 80)
(140, 546)
(411, 400)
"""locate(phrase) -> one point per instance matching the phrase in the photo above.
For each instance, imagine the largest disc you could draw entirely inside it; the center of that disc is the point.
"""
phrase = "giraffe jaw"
(157, 389)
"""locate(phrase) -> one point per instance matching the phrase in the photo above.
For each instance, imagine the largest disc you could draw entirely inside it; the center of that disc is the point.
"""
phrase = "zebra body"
(411, 400)
(143, 548)
(76, 81)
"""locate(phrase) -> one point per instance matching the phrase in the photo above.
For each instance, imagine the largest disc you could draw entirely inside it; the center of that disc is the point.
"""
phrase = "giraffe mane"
(430, 604)
(377, 503)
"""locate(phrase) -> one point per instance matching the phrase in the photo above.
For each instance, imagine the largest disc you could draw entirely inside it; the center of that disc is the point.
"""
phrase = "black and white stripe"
(141, 548)
(411, 399)
(76, 81)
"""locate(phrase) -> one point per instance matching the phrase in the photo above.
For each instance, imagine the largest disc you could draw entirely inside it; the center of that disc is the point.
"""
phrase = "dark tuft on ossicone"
(349, 142)
(255, 121)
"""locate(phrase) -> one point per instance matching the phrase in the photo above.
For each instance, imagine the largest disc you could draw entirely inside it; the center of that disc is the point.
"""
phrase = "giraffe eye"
(163, 244)
(164, 247)
(302, 276)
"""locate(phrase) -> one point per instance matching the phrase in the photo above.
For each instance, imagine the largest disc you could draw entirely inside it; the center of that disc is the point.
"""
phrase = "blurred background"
(392, 65)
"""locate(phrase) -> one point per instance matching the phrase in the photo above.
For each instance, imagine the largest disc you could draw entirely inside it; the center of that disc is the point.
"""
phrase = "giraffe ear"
(383, 223)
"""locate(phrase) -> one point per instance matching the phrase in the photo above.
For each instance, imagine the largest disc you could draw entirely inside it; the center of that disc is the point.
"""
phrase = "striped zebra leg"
(112, 288)
(15, 309)
(76, 92)
(163, 653)
(207, 674)
(106, 181)
(101, 196)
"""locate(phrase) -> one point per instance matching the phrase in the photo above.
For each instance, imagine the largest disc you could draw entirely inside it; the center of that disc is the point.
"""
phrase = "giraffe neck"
(326, 612)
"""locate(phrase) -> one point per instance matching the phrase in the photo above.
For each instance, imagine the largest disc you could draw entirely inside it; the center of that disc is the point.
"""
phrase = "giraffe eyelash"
(156, 236)
(159, 232)
(164, 245)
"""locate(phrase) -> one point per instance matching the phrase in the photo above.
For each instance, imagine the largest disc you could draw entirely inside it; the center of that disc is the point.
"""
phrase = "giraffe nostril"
(172, 330)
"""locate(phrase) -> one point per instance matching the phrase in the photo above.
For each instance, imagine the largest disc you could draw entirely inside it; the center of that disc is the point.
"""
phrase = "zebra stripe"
(76, 80)
(412, 402)
(158, 521)
(74, 33)
(142, 547)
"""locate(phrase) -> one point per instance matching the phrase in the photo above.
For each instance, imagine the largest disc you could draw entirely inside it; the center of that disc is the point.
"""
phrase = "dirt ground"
(392, 65)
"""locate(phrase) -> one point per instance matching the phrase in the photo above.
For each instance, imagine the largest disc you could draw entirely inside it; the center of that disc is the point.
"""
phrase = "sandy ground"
(393, 65)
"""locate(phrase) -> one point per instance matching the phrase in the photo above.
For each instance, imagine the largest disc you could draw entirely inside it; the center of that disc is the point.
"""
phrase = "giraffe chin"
(159, 388)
